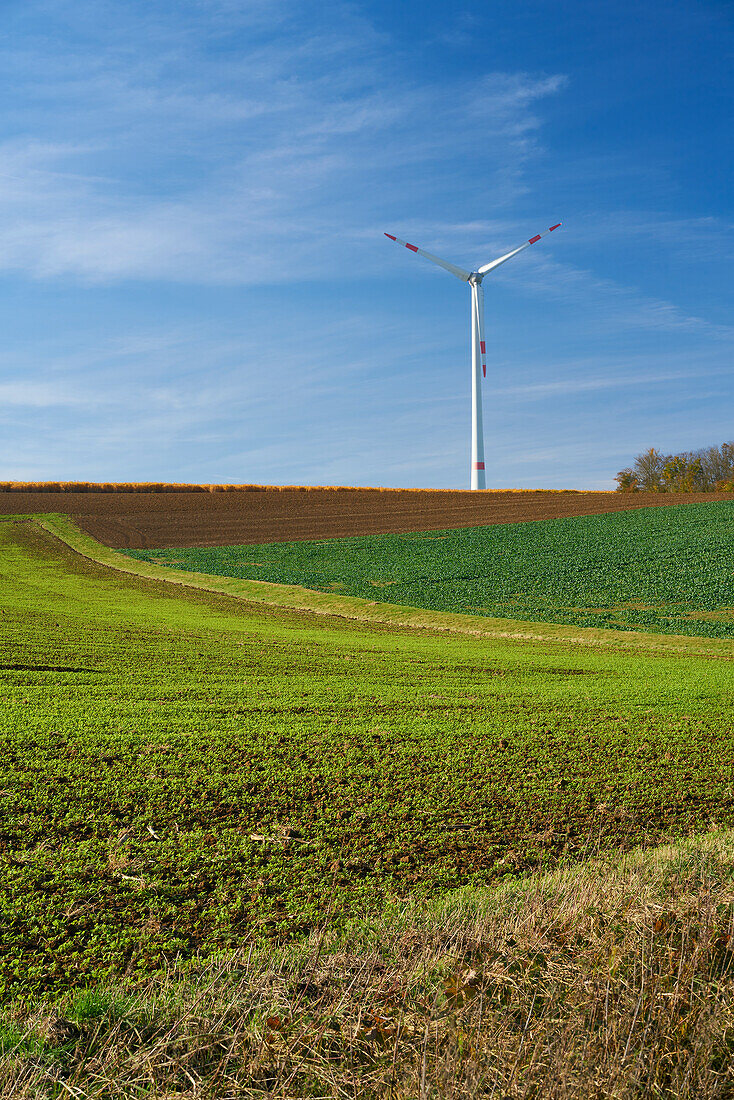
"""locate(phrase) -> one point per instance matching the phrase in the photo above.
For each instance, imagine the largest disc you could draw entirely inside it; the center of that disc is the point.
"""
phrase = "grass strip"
(300, 598)
(615, 978)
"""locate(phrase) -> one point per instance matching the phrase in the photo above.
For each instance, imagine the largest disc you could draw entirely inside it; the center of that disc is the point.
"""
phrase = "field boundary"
(226, 487)
(299, 599)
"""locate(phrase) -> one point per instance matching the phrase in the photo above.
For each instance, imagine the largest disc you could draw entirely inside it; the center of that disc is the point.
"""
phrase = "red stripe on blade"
(391, 236)
(478, 465)
(555, 227)
(534, 239)
(484, 369)
(482, 346)
(412, 247)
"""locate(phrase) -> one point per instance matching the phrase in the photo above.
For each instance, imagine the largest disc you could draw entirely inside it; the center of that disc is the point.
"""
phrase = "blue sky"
(194, 281)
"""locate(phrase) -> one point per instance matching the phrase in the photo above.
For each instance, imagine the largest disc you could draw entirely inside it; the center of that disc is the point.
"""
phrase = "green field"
(668, 570)
(182, 769)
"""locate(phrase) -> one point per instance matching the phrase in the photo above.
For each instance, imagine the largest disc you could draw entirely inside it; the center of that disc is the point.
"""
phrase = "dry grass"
(607, 980)
(119, 487)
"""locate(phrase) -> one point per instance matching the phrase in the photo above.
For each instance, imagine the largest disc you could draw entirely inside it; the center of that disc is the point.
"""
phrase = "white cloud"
(185, 161)
(40, 395)
(566, 386)
(610, 306)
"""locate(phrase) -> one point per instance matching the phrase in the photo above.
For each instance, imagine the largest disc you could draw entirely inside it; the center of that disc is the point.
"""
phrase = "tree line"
(708, 470)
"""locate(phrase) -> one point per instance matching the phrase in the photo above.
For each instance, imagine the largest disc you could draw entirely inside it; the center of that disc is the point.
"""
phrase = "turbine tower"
(478, 346)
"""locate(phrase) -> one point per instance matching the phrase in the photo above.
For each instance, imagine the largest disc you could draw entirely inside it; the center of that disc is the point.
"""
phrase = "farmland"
(659, 569)
(258, 514)
(182, 769)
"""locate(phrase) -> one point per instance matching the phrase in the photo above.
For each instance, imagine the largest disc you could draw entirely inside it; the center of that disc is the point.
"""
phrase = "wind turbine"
(478, 352)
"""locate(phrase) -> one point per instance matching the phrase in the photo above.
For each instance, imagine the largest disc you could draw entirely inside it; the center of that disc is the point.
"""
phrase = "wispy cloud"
(541, 391)
(40, 395)
(296, 141)
(608, 304)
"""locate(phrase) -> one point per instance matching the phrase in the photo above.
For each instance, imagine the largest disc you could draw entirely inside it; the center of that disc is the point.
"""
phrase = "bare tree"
(704, 471)
(717, 464)
(648, 469)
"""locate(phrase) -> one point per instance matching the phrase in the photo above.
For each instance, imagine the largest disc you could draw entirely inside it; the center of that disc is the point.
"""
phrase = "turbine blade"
(479, 322)
(508, 255)
(478, 300)
(457, 271)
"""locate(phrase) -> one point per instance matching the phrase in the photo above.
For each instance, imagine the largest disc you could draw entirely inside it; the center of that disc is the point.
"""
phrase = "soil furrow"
(138, 520)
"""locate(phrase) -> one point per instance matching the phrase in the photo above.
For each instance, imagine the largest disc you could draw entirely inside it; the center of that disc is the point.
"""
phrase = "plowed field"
(143, 520)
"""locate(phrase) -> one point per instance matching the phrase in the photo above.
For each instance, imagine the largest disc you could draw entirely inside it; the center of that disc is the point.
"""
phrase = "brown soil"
(139, 520)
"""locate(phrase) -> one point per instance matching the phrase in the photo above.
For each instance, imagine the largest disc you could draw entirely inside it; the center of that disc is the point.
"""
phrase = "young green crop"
(668, 570)
(181, 769)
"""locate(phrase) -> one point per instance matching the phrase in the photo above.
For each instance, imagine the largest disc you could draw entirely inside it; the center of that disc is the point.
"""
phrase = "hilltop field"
(304, 800)
(226, 515)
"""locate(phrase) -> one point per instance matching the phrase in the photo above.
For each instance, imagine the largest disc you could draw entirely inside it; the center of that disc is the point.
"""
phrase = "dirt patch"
(144, 520)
